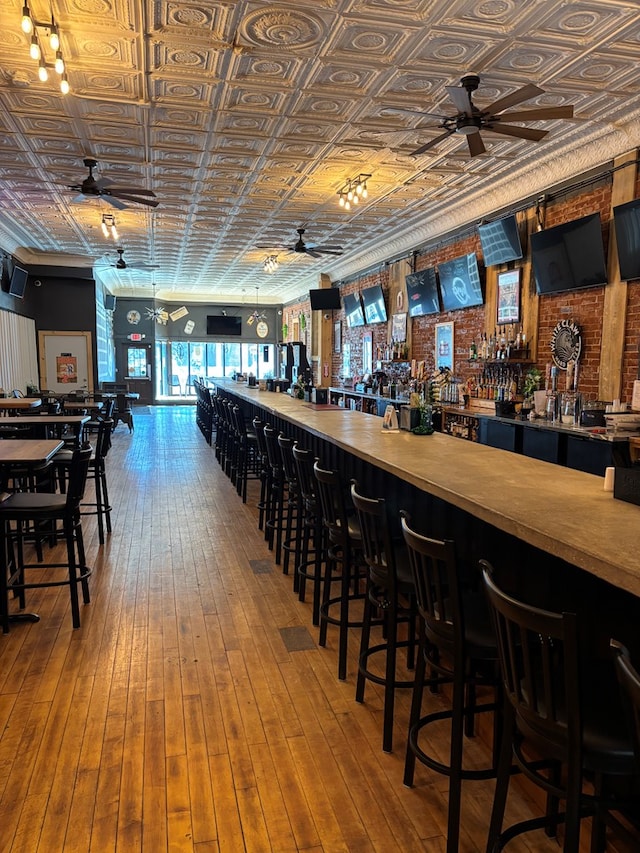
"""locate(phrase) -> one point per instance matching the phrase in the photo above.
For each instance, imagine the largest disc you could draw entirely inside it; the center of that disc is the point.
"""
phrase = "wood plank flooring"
(176, 718)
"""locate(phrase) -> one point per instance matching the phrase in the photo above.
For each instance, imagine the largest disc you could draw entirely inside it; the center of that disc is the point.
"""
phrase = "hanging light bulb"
(359, 188)
(59, 63)
(43, 74)
(364, 190)
(34, 48)
(356, 198)
(350, 194)
(347, 205)
(64, 84)
(341, 200)
(114, 232)
(26, 23)
(54, 38)
(105, 230)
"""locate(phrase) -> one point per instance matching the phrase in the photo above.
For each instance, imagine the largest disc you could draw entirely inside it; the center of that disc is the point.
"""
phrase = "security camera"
(37, 283)
(327, 316)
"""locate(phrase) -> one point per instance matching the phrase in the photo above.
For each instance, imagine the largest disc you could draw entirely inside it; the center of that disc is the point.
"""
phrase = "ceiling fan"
(115, 196)
(312, 249)
(121, 264)
(470, 121)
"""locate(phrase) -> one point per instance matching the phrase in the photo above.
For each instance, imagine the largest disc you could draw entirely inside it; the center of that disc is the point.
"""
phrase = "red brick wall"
(584, 307)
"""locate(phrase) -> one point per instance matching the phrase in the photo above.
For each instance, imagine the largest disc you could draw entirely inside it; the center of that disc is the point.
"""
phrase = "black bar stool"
(457, 646)
(564, 710)
(390, 592)
(343, 561)
(312, 546)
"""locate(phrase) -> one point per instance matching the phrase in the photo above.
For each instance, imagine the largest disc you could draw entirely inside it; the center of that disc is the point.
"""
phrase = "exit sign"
(135, 336)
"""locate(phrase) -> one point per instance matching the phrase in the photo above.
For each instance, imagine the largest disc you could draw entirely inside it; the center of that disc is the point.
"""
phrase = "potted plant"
(532, 381)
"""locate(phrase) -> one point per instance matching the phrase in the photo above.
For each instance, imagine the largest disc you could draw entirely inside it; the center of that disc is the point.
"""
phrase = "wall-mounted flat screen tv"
(325, 299)
(375, 311)
(18, 281)
(460, 283)
(569, 256)
(422, 293)
(221, 325)
(353, 310)
(500, 241)
(626, 220)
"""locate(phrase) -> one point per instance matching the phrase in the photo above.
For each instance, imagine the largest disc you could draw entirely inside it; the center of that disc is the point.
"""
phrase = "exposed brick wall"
(584, 307)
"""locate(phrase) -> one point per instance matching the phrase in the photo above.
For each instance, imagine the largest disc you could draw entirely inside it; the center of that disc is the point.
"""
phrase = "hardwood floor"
(176, 718)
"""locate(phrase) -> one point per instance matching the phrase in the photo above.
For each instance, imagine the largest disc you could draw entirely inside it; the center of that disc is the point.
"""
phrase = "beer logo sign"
(566, 344)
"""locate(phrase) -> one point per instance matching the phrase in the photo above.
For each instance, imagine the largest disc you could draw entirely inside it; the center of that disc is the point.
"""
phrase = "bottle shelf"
(484, 361)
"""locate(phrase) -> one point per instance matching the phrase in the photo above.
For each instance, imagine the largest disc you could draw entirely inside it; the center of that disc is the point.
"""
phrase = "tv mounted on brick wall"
(353, 310)
(325, 299)
(422, 293)
(375, 311)
(460, 283)
(626, 219)
(500, 241)
(569, 256)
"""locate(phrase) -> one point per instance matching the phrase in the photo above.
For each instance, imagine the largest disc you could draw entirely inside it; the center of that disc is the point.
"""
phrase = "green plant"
(303, 322)
(532, 381)
(285, 331)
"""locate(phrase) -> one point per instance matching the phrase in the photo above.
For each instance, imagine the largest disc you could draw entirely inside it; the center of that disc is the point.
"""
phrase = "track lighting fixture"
(270, 263)
(109, 226)
(353, 190)
(30, 27)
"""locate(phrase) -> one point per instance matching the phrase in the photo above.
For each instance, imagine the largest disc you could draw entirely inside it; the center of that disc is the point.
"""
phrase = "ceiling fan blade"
(130, 191)
(150, 202)
(520, 132)
(101, 183)
(536, 115)
(523, 94)
(114, 202)
(476, 145)
(431, 143)
(460, 98)
(326, 247)
(312, 252)
(415, 112)
(327, 251)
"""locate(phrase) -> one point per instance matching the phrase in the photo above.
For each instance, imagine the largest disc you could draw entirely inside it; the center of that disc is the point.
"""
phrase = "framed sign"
(66, 362)
(337, 343)
(444, 345)
(508, 297)
(399, 328)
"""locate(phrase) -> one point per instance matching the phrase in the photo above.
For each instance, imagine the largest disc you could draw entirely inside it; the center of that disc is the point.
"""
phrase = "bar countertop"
(556, 509)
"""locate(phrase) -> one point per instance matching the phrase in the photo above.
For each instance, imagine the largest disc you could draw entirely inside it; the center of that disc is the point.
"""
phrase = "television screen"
(353, 310)
(18, 282)
(374, 307)
(460, 282)
(325, 299)
(221, 325)
(422, 293)
(626, 219)
(569, 256)
(500, 241)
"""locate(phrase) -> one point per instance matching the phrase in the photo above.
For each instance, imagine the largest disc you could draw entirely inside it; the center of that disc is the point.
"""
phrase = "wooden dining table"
(26, 451)
(14, 404)
(44, 424)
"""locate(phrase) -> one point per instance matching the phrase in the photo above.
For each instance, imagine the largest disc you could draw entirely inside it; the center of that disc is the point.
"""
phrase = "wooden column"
(322, 340)
(615, 293)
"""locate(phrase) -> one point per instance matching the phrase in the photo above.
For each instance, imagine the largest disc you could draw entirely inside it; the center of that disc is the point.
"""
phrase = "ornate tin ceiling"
(246, 118)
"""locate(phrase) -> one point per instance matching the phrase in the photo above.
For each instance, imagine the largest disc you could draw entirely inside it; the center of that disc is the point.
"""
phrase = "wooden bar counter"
(557, 510)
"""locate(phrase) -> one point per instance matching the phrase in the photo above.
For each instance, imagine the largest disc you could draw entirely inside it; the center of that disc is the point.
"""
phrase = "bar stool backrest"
(304, 461)
(77, 480)
(435, 575)
(331, 494)
(377, 544)
(629, 680)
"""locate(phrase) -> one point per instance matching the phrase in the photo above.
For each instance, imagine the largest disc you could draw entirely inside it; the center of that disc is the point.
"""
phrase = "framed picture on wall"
(337, 343)
(444, 345)
(399, 328)
(508, 297)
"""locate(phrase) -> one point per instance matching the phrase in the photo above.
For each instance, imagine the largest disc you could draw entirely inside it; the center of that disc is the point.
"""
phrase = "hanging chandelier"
(258, 316)
(30, 26)
(353, 190)
(157, 314)
(109, 226)
(270, 263)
